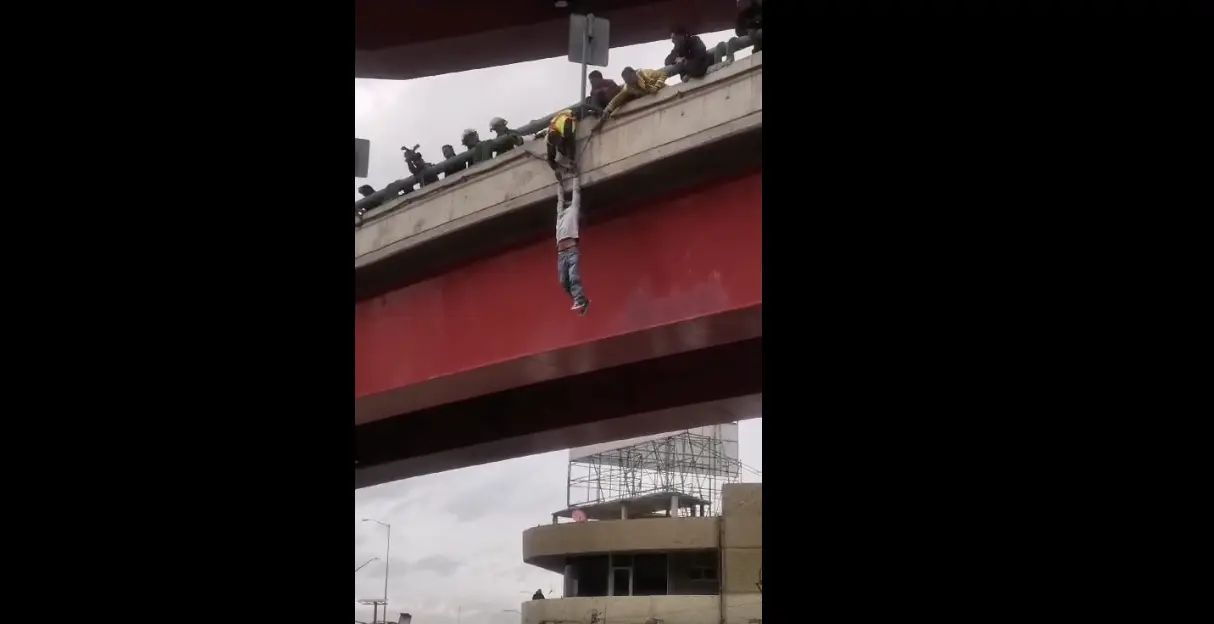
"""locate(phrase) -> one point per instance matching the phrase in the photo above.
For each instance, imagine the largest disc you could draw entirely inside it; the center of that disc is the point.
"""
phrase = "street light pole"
(387, 559)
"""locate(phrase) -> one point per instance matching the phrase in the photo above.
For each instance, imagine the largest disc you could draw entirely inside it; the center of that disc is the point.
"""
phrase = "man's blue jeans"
(571, 277)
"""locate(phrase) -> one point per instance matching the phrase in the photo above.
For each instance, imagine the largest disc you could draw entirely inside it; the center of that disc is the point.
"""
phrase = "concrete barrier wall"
(742, 551)
(678, 119)
(625, 609)
(640, 609)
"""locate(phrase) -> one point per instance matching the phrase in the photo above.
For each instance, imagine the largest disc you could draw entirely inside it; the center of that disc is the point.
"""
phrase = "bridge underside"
(403, 40)
(487, 362)
(690, 389)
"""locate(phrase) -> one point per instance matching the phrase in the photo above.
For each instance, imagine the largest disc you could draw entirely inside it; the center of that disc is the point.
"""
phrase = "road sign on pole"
(589, 40)
(362, 157)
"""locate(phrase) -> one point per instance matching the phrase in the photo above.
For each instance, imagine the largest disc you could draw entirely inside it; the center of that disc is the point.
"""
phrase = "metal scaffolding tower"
(684, 462)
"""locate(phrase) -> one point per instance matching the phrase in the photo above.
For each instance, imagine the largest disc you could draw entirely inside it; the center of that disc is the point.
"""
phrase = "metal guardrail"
(723, 55)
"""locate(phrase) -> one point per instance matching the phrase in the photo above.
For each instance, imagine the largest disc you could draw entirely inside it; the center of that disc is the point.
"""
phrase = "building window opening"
(621, 575)
(649, 575)
(591, 576)
(694, 573)
(621, 579)
(703, 567)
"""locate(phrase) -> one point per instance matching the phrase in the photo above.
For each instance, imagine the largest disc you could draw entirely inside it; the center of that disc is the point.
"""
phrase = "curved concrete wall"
(680, 118)
(648, 534)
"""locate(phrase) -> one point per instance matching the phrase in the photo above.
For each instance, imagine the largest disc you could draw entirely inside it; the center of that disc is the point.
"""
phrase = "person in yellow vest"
(637, 82)
(562, 139)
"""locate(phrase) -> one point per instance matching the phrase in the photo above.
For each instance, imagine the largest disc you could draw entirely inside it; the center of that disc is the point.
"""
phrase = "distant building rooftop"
(652, 505)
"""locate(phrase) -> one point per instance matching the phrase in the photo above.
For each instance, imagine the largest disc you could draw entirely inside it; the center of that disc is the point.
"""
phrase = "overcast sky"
(435, 111)
(457, 536)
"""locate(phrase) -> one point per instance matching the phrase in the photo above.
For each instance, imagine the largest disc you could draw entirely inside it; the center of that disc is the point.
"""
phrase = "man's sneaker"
(582, 307)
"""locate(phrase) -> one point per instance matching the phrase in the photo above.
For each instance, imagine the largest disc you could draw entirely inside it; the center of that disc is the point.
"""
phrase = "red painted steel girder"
(677, 274)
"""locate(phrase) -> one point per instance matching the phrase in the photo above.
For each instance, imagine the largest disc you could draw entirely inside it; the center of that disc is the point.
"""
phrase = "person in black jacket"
(602, 90)
(417, 164)
(499, 128)
(450, 170)
(750, 21)
(689, 53)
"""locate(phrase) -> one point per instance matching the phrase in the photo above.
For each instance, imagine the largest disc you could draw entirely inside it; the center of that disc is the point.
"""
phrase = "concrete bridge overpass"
(465, 350)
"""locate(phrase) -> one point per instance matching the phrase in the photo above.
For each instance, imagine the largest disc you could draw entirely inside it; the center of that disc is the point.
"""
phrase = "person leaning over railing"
(689, 54)
(562, 141)
(452, 169)
(418, 165)
(602, 90)
(750, 22)
(367, 191)
(481, 150)
(637, 82)
(499, 128)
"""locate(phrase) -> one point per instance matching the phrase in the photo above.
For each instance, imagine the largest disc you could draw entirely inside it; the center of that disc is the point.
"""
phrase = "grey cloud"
(440, 565)
(474, 503)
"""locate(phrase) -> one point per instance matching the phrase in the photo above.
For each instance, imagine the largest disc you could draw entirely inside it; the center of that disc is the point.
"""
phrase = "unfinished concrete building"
(644, 552)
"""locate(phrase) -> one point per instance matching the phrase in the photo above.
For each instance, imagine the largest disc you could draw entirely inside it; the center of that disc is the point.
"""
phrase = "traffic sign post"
(589, 44)
(362, 157)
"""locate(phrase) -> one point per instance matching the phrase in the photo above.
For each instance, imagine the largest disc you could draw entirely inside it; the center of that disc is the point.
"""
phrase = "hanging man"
(567, 256)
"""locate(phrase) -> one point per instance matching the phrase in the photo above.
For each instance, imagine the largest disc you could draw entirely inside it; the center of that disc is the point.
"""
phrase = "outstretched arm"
(618, 101)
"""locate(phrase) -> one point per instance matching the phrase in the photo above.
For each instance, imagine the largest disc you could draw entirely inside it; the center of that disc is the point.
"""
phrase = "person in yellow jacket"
(637, 82)
(562, 139)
